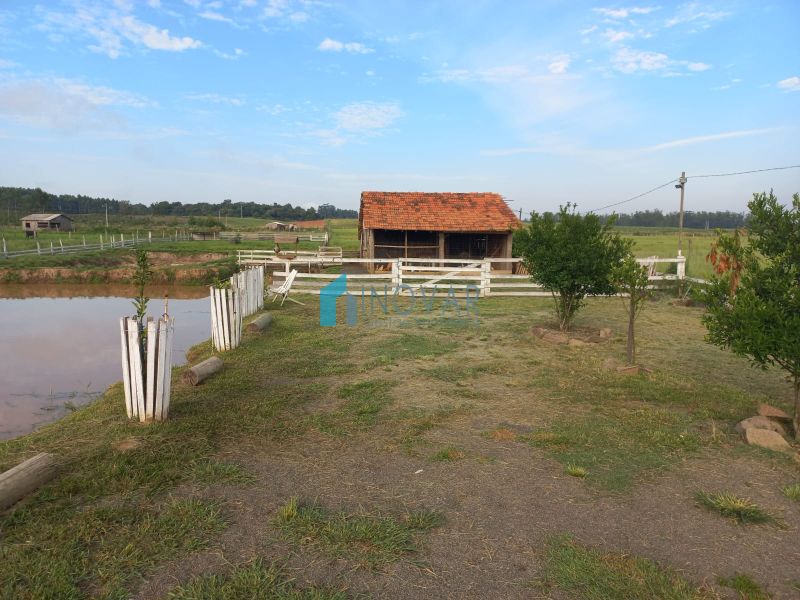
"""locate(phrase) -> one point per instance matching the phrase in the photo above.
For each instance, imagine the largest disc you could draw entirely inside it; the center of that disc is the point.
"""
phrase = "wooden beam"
(25, 478)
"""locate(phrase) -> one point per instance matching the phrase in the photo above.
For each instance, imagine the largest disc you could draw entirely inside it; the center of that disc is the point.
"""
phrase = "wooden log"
(260, 323)
(201, 371)
(25, 478)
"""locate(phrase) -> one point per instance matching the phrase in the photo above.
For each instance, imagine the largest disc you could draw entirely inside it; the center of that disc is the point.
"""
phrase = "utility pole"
(106, 216)
(520, 214)
(682, 186)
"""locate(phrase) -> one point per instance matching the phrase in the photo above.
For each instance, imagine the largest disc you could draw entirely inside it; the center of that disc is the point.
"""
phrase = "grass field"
(418, 458)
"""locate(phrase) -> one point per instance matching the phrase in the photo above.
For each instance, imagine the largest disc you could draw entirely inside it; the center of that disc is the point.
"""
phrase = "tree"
(631, 279)
(571, 255)
(760, 317)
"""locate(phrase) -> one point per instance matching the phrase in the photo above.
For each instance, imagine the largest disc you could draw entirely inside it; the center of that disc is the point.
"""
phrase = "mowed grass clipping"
(369, 540)
(588, 574)
(734, 507)
(253, 581)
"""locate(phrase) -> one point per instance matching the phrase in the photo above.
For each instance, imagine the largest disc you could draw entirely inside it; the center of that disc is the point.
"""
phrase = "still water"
(60, 347)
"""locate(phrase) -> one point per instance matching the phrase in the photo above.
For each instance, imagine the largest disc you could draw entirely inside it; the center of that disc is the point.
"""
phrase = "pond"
(60, 347)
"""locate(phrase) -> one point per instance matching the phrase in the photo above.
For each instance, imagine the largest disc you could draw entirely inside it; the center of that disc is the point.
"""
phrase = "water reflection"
(59, 344)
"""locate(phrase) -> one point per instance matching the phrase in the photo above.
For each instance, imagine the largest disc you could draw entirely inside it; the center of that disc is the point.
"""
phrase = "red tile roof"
(422, 211)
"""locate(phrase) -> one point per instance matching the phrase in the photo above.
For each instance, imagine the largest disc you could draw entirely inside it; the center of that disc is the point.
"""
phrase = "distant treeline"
(693, 220)
(18, 202)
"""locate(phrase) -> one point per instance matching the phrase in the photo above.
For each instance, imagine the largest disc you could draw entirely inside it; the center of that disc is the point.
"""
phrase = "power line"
(744, 172)
(663, 185)
(694, 177)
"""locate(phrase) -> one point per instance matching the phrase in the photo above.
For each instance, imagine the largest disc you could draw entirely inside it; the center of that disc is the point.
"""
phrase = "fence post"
(150, 237)
(83, 237)
(5, 250)
(51, 248)
(122, 239)
(397, 276)
(486, 278)
(62, 245)
(101, 241)
(681, 266)
(38, 247)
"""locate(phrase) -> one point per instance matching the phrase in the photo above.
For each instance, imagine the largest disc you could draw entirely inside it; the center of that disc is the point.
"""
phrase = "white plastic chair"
(283, 289)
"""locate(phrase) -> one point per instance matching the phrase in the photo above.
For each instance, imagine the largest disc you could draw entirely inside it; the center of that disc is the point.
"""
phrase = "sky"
(313, 101)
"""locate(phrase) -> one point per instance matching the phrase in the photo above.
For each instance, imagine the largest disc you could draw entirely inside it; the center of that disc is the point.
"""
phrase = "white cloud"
(697, 15)
(7, 64)
(216, 99)
(272, 109)
(701, 139)
(211, 15)
(299, 17)
(588, 30)
(367, 116)
(560, 64)
(331, 45)
(236, 54)
(154, 38)
(110, 26)
(629, 61)
(791, 84)
(624, 13)
(698, 66)
(67, 105)
(614, 36)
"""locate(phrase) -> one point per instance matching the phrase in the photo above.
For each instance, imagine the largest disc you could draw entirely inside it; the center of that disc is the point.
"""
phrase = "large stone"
(605, 333)
(761, 422)
(765, 410)
(766, 439)
(576, 342)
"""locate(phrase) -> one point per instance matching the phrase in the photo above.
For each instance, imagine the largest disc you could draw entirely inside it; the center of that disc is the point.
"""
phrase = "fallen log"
(201, 371)
(260, 323)
(26, 477)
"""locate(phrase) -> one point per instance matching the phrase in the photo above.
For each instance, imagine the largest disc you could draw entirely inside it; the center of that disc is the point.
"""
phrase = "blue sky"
(307, 101)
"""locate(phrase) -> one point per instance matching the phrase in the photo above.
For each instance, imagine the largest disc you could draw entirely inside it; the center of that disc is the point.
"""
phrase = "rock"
(550, 335)
(760, 422)
(765, 410)
(605, 333)
(574, 342)
(766, 439)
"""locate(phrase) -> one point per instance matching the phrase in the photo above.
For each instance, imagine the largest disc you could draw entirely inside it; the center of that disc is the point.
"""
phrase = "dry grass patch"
(734, 507)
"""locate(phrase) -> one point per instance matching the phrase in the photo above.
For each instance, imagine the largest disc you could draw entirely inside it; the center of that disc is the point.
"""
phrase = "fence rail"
(405, 276)
(107, 242)
(263, 236)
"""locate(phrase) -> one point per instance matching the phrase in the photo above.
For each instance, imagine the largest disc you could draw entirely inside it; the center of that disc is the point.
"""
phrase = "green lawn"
(443, 409)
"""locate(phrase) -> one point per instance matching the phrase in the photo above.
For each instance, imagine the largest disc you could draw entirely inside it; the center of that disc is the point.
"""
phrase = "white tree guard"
(147, 386)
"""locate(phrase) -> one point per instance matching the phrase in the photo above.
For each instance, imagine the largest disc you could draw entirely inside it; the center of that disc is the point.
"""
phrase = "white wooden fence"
(226, 318)
(229, 306)
(147, 398)
(263, 236)
(404, 276)
(106, 242)
(250, 284)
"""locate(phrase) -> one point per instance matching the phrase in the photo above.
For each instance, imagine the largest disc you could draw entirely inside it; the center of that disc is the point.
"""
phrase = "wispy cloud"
(7, 64)
(216, 99)
(67, 105)
(698, 66)
(331, 45)
(367, 116)
(235, 55)
(614, 36)
(702, 139)
(790, 84)
(110, 28)
(627, 60)
(560, 64)
(624, 13)
(697, 15)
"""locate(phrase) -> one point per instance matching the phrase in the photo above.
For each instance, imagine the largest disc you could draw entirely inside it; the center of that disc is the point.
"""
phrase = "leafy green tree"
(572, 255)
(631, 279)
(754, 301)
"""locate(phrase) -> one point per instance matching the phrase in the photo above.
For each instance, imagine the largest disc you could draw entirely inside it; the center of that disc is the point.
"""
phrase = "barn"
(435, 225)
(44, 222)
